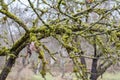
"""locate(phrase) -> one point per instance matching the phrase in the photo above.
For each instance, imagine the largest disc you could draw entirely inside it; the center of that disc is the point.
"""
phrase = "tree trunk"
(19, 45)
(94, 70)
(7, 68)
(94, 74)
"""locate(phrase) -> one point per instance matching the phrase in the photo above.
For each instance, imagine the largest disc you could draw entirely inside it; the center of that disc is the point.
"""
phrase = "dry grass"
(19, 72)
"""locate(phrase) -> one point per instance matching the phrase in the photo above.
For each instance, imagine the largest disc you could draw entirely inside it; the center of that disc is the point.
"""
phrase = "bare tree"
(67, 21)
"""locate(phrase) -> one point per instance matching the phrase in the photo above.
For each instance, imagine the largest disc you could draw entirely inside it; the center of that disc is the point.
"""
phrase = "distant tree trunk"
(94, 70)
(94, 73)
(7, 68)
(10, 33)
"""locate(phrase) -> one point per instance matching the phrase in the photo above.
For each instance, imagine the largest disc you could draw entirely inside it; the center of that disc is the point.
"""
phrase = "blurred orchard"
(73, 39)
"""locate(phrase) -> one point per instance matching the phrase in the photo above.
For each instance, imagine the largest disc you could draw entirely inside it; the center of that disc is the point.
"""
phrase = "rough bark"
(19, 45)
(94, 73)
(94, 70)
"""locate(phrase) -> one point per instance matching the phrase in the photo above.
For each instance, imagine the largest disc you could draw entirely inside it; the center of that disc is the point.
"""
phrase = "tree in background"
(68, 21)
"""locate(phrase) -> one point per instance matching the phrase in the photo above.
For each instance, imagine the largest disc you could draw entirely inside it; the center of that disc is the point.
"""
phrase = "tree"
(68, 21)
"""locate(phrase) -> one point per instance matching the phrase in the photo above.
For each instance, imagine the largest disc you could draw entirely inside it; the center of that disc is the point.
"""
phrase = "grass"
(111, 76)
(106, 76)
(39, 77)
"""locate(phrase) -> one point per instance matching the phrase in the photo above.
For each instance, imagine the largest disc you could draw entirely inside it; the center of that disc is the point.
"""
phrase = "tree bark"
(94, 74)
(94, 70)
(19, 45)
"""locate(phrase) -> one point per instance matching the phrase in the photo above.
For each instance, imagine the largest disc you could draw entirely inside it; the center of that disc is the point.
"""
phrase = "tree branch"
(17, 47)
(15, 18)
(32, 6)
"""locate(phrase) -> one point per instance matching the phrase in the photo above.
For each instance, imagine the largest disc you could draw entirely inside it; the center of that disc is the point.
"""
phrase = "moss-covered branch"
(17, 47)
(15, 18)
(32, 6)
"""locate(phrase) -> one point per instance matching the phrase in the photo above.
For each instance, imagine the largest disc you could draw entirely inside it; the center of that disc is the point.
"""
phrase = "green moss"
(75, 50)
(117, 45)
(118, 33)
(75, 69)
(41, 54)
(4, 51)
(24, 38)
(65, 37)
(43, 28)
(100, 11)
(15, 18)
(69, 32)
(68, 47)
(32, 37)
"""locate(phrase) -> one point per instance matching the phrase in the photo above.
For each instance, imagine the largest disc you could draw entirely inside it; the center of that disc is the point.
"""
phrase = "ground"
(19, 72)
